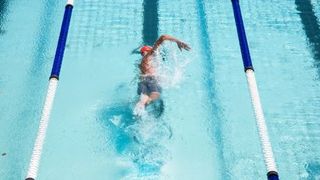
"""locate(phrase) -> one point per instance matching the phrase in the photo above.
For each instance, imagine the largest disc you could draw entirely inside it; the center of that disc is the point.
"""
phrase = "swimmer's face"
(145, 50)
(144, 53)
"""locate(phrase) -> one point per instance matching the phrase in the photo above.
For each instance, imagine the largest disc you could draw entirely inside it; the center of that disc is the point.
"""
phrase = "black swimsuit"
(148, 84)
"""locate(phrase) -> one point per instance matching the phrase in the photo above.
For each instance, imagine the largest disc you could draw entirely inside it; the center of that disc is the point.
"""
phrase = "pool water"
(207, 129)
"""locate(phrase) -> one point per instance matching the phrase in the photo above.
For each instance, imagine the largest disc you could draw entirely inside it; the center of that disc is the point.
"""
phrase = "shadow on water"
(311, 27)
(140, 139)
(313, 169)
(3, 9)
(150, 21)
(117, 118)
(211, 84)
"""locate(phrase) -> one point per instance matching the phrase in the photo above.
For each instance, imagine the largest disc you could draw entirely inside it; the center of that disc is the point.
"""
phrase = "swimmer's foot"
(139, 110)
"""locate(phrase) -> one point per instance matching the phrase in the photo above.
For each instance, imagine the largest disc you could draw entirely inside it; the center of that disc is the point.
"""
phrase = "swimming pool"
(208, 129)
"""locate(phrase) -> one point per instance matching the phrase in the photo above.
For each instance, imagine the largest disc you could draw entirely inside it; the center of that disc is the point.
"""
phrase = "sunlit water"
(207, 129)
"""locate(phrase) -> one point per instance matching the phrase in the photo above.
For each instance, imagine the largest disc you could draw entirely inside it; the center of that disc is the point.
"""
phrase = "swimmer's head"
(145, 49)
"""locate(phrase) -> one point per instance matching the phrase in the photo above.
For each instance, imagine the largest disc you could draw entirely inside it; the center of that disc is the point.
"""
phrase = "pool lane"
(311, 27)
(192, 103)
(286, 77)
(96, 87)
(83, 143)
(24, 75)
(209, 70)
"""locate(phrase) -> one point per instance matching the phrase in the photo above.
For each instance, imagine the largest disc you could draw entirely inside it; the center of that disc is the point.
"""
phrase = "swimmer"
(148, 87)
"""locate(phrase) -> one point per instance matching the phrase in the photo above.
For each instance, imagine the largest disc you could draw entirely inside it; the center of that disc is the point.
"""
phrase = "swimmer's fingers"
(187, 47)
(179, 43)
(183, 45)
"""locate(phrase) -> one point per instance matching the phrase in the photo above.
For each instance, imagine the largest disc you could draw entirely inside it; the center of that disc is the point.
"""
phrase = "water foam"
(171, 64)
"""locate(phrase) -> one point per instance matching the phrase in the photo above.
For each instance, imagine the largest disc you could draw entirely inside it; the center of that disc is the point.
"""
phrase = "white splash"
(171, 64)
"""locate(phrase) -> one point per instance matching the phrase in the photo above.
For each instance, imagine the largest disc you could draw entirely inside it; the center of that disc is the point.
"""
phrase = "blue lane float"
(254, 93)
(53, 83)
(247, 63)
(62, 42)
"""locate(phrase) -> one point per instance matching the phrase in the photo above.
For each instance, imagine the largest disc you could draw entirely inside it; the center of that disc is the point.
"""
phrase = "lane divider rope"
(53, 84)
(272, 173)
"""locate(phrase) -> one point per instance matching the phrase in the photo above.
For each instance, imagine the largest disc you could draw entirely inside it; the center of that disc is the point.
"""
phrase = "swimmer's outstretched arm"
(162, 38)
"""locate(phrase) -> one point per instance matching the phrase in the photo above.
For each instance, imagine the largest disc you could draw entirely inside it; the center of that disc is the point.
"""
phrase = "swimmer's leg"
(153, 96)
(140, 106)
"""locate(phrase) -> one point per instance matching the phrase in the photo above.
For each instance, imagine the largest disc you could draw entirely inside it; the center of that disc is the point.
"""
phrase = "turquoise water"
(207, 130)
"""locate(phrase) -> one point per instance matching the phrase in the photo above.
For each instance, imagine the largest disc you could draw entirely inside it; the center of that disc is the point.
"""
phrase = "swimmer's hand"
(183, 45)
(135, 51)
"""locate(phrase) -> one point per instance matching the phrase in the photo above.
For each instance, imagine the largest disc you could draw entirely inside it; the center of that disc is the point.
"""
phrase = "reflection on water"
(139, 139)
